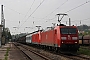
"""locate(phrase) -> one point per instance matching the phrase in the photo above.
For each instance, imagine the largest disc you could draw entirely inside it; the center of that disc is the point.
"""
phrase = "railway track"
(66, 56)
(83, 57)
(76, 57)
(32, 55)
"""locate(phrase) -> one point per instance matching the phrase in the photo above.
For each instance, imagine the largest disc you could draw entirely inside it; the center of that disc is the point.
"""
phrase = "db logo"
(69, 38)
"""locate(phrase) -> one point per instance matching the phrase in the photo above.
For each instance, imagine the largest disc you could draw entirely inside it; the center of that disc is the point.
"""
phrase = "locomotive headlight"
(63, 38)
(74, 38)
(75, 42)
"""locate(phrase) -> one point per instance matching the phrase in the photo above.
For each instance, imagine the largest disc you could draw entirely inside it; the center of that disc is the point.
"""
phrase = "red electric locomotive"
(68, 38)
(63, 38)
(36, 38)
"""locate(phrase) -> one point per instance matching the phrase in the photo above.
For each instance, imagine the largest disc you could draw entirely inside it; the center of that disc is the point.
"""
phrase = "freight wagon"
(84, 40)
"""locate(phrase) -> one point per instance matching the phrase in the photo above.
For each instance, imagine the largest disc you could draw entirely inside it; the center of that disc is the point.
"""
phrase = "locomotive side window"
(68, 30)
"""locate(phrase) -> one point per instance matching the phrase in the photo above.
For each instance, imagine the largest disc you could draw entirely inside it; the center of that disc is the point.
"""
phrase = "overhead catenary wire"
(77, 6)
(79, 20)
(52, 11)
(33, 12)
(86, 19)
(14, 10)
(56, 9)
(82, 19)
(28, 11)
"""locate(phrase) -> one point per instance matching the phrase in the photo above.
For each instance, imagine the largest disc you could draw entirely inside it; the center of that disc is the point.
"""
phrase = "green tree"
(7, 34)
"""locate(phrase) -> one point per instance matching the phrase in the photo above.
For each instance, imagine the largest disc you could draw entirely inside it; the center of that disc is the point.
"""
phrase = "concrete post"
(1, 35)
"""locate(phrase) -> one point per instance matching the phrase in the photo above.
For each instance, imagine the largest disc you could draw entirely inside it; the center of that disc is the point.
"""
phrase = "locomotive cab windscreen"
(68, 31)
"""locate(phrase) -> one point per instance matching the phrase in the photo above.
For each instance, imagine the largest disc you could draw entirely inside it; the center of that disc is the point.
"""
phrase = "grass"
(6, 55)
(84, 51)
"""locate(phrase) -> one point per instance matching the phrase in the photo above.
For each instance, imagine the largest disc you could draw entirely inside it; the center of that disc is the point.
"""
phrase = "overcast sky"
(30, 13)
